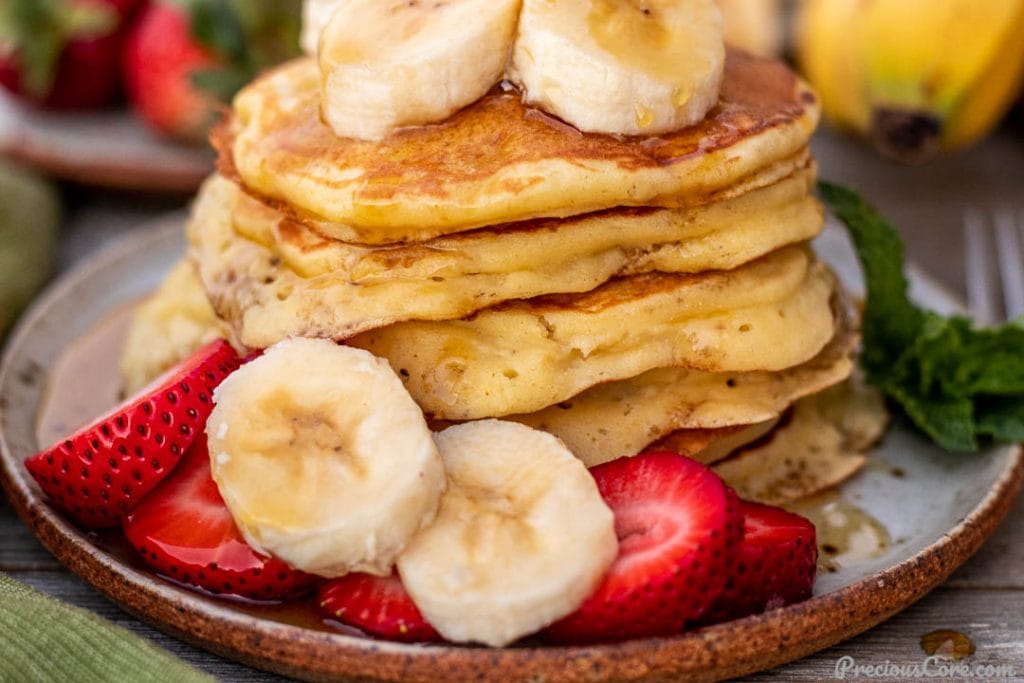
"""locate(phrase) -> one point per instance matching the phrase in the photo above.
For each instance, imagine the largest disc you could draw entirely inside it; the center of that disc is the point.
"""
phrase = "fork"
(995, 264)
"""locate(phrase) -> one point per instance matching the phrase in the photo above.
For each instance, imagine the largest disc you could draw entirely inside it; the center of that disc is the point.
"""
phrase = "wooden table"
(984, 599)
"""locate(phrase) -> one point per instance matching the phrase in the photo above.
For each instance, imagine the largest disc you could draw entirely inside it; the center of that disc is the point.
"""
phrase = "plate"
(937, 509)
(106, 148)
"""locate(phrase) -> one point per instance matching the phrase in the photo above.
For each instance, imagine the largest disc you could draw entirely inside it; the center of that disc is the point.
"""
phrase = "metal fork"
(995, 264)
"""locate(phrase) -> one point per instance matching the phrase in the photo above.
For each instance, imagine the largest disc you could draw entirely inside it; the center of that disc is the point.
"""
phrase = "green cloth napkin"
(29, 221)
(43, 640)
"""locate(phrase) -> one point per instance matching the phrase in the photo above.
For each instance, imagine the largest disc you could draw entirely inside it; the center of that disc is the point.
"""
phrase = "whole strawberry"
(159, 60)
(63, 54)
(185, 59)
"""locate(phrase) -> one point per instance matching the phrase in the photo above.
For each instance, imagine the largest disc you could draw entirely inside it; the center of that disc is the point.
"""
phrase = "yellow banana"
(753, 25)
(915, 76)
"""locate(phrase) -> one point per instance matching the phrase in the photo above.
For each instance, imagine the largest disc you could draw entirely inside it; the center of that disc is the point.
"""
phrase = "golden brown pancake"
(498, 161)
(714, 236)
(175, 321)
(631, 415)
(521, 356)
(271, 278)
(824, 442)
(709, 446)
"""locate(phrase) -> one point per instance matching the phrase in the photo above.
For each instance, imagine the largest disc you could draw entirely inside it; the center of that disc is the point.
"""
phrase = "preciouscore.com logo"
(847, 668)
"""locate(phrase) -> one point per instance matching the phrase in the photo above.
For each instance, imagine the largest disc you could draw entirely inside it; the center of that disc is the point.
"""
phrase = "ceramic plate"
(936, 508)
(106, 148)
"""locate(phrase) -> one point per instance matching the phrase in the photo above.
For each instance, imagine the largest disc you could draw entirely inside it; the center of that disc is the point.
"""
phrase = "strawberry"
(63, 54)
(159, 60)
(679, 528)
(775, 565)
(185, 59)
(184, 530)
(105, 469)
(378, 605)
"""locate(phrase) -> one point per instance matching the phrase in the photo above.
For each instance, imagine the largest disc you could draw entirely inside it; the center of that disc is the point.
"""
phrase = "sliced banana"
(315, 15)
(385, 64)
(323, 458)
(633, 67)
(523, 536)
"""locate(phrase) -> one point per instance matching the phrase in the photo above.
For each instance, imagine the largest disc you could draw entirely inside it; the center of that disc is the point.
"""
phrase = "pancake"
(498, 161)
(521, 356)
(664, 406)
(175, 321)
(715, 236)
(709, 446)
(278, 278)
(824, 443)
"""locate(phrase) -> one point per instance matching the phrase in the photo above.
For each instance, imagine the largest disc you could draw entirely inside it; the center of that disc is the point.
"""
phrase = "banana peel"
(29, 222)
(916, 77)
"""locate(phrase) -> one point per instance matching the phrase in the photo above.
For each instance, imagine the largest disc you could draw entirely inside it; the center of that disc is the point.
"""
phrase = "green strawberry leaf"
(216, 26)
(37, 31)
(248, 36)
(221, 82)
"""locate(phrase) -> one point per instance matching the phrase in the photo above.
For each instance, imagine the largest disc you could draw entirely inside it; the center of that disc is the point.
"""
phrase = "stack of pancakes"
(617, 292)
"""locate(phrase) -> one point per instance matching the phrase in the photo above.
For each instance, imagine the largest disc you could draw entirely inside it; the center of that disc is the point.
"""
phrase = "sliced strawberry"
(184, 530)
(376, 604)
(106, 468)
(775, 566)
(679, 527)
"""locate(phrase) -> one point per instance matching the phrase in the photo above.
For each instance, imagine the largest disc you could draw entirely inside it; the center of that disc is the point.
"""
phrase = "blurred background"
(105, 106)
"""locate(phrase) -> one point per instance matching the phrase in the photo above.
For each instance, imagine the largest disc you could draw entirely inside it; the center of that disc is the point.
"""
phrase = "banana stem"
(906, 136)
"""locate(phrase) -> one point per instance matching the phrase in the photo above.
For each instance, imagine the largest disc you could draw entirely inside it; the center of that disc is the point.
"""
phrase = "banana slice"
(315, 15)
(391, 63)
(522, 538)
(323, 458)
(633, 67)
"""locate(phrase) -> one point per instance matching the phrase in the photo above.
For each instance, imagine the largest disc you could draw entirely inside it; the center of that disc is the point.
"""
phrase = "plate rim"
(725, 650)
(22, 141)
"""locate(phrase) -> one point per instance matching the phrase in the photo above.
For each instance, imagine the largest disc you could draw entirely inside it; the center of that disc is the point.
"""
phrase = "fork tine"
(1011, 270)
(982, 294)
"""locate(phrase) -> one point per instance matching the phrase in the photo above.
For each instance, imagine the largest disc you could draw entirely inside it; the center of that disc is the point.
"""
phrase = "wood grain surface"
(984, 599)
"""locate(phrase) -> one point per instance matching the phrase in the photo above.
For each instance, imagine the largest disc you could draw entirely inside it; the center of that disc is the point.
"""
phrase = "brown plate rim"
(29, 145)
(722, 651)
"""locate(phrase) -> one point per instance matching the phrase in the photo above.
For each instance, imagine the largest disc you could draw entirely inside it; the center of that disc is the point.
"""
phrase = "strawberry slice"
(378, 605)
(775, 565)
(679, 528)
(106, 468)
(184, 530)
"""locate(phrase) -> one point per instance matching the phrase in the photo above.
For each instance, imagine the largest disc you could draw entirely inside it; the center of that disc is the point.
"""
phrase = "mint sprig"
(957, 382)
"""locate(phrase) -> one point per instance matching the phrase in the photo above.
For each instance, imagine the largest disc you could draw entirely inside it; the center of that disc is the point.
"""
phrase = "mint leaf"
(894, 322)
(1002, 418)
(957, 383)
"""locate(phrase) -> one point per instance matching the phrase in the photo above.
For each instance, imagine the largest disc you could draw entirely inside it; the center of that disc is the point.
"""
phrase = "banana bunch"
(605, 66)
(756, 26)
(29, 219)
(915, 76)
